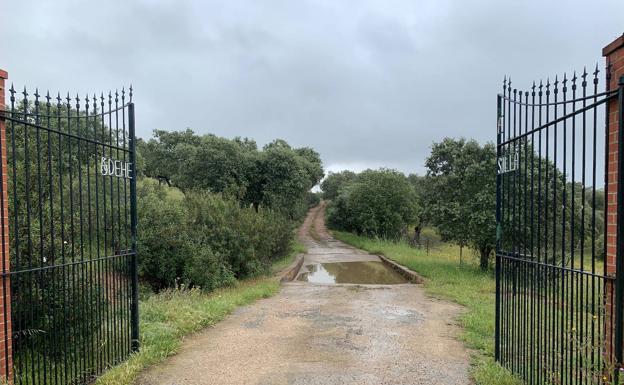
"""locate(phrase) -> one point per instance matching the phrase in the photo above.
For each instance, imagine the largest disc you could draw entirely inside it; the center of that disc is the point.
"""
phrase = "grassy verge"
(296, 249)
(466, 285)
(165, 318)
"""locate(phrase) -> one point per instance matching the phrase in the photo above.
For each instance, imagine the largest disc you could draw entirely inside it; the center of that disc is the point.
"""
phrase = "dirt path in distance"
(326, 334)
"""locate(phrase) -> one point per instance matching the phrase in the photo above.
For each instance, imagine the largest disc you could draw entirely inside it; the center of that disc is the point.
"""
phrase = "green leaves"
(379, 203)
(335, 181)
(203, 239)
(277, 177)
(459, 193)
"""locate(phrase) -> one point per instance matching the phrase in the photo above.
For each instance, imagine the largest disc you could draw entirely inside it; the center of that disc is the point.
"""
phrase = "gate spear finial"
(547, 86)
(12, 92)
(556, 84)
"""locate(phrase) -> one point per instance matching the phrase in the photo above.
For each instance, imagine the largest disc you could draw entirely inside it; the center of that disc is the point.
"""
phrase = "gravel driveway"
(326, 334)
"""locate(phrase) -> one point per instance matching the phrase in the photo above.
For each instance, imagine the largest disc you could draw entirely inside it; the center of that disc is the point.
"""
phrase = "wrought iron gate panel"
(554, 323)
(72, 220)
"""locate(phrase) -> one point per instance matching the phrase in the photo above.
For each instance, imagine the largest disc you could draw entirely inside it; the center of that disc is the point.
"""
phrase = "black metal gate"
(72, 219)
(555, 318)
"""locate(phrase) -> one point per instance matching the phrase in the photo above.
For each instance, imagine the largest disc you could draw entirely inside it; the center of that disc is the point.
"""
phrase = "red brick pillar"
(6, 345)
(614, 54)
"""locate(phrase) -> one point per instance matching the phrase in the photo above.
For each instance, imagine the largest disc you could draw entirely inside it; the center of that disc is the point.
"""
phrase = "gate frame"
(614, 229)
(134, 269)
(7, 371)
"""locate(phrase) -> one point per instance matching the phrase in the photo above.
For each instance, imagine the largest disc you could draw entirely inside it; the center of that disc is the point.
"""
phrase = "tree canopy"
(379, 203)
(334, 181)
(278, 176)
(459, 194)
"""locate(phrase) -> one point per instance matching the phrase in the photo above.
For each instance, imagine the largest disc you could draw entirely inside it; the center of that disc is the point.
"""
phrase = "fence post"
(6, 340)
(614, 54)
(499, 117)
(133, 225)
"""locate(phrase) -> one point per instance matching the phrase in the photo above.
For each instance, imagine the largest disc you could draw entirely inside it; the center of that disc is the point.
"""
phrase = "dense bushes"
(276, 177)
(203, 239)
(313, 199)
(378, 203)
(335, 181)
(228, 209)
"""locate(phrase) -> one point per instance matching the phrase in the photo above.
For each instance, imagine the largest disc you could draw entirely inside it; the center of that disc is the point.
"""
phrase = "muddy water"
(364, 272)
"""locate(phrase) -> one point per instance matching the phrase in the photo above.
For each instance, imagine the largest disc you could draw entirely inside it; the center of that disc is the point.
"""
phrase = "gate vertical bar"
(133, 229)
(499, 101)
(6, 342)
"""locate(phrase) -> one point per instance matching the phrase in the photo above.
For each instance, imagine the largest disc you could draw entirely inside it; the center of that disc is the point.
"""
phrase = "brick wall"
(614, 54)
(6, 363)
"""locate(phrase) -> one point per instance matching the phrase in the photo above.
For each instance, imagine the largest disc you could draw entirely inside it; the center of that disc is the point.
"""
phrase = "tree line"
(213, 210)
(457, 196)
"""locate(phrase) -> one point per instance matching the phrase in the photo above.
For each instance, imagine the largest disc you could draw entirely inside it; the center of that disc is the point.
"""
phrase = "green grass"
(165, 318)
(466, 285)
(296, 249)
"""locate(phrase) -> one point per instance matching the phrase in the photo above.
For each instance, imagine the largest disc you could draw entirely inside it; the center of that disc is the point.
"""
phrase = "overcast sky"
(367, 83)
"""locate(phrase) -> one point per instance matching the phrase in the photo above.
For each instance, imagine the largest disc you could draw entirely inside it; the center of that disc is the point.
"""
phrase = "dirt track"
(326, 334)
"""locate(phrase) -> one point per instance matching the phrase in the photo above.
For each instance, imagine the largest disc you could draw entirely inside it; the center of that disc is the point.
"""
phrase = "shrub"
(206, 270)
(62, 301)
(162, 242)
(313, 199)
(378, 203)
(247, 240)
(335, 181)
(203, 239)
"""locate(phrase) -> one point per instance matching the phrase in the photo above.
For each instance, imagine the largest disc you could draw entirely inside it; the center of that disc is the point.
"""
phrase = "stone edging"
(291, 271)
(410, 275)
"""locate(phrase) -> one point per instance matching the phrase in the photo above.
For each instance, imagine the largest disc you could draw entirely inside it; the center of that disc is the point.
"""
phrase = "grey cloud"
(367, 83)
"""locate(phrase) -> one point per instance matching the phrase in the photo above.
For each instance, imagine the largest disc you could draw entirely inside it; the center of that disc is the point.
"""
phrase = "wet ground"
(365, 272)
(325, 333)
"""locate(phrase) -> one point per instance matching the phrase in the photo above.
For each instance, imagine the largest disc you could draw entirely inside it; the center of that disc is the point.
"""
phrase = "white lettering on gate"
(116, 168)
(508, 162)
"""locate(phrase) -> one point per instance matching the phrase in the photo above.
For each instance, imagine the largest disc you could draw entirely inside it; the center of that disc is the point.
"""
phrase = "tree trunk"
(485, 257)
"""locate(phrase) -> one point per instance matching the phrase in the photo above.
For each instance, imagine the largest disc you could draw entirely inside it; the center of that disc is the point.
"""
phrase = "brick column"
(6, 345)
(614, 54)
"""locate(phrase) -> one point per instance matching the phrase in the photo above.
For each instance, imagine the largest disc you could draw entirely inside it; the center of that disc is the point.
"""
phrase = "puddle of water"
(369, 272)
